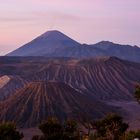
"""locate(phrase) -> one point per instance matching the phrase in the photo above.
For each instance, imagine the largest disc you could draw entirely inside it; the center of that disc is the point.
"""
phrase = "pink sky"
(87, 21)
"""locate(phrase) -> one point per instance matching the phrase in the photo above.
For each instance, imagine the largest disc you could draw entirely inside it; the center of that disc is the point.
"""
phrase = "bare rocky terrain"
(37, 87)
(39, 100)
(104, 78)
(131, 112)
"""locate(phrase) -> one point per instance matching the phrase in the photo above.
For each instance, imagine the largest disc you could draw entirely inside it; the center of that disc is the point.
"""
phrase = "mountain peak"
(54, 43)
(45, 44)
(52, 32)
(105, 42)
(54, 35)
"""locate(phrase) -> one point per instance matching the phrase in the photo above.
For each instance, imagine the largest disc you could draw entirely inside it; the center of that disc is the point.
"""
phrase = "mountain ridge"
(46, 40)
(39, 100)
(56, 44)
(109, 76)
(35, 85)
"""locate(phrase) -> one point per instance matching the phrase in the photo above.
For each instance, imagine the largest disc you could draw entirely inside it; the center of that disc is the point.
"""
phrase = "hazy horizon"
(86, 21)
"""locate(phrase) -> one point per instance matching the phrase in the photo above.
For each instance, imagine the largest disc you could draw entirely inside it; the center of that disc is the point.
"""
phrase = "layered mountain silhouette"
(57, 44)
(56, 76)
(39, 100)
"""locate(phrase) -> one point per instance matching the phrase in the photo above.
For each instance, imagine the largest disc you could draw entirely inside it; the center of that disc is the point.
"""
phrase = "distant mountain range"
(57, 44)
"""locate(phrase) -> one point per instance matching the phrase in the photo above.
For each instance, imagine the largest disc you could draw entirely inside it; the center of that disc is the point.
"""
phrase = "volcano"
(39, 100)
(56, 44)
(45, 44)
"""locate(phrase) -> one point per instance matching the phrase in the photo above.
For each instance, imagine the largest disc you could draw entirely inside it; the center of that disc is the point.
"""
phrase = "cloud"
(40, 16)
(14, 19)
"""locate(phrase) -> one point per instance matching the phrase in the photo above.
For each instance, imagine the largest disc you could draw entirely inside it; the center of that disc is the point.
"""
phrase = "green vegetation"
(132, 134)
(52, 129)
(137, 93)
(111, 127)
(8, 131)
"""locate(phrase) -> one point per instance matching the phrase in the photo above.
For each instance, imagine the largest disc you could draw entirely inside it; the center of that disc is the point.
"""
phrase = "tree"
(137, 93)
(52, 129)
(70, 131)
(111, 127)
(132, 135)
(87, 124)
(8, 131)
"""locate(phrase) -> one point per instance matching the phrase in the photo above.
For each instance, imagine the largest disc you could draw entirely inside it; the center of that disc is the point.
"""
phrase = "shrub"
(137, 93)
(8, 131)
(111, 127)
(132, 135)
(52, 129)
